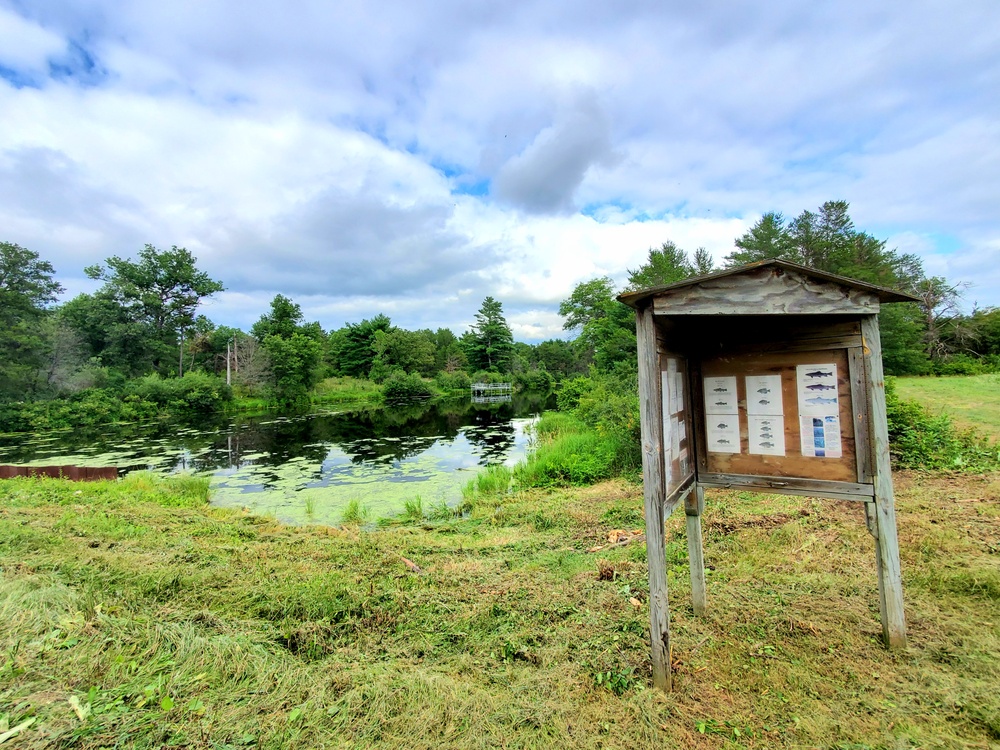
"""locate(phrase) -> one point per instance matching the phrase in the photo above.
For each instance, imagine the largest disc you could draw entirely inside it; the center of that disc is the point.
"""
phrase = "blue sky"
(412, 157)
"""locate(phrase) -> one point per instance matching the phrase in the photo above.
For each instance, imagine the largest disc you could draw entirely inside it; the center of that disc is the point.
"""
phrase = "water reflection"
(272, 463)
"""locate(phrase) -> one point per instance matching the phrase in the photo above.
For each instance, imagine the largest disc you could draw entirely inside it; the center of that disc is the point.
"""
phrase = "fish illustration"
(720, 390)
(721, 403)
(722, 425)
(767, 445)
(763, 390)
(820, 387)
(722, 441)
(763, 402)
(821, 400)
(818, 374)
(765, 422)
(766, 435)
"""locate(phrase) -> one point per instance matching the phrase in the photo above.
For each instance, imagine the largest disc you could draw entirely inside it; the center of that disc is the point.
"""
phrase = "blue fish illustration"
(821, 400)
(820, 387)
(818, 374)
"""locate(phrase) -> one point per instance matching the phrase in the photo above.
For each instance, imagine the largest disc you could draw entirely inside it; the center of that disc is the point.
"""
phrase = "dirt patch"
(732, 525)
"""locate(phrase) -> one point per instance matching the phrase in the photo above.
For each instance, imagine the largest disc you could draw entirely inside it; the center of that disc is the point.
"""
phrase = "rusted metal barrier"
(74, 473)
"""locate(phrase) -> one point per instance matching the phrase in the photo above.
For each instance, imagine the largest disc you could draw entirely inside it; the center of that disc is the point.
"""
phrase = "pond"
(307, 468)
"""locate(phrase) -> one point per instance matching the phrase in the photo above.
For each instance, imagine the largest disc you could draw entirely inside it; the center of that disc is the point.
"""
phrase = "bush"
(401, 387)
(570, 459)
(453, 381)
(533, 380)
(195, 392)
(918, 440)
(961, 364)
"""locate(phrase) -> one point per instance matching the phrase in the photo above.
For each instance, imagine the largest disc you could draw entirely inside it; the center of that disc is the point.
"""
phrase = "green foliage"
(293, 350)
(26, 288)
(143, 308)
(919, 440)
(402, 387)
(196, 392)
(409, 351)
(351, 349)
(489, 343)
(354, 513)
(665, 265)
(533, 380)
(453, 381)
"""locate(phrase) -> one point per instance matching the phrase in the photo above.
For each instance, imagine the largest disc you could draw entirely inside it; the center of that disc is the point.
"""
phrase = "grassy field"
(972, 401)
(134, 615)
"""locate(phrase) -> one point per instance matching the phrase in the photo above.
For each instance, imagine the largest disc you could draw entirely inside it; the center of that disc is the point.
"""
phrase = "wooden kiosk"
(767, 376)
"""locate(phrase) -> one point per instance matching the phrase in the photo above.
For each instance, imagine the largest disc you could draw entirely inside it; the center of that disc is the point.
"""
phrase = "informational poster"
(669, 422)
(765, 415)
(722, 415)
(819, 410)
(821, 437)
(720, 395)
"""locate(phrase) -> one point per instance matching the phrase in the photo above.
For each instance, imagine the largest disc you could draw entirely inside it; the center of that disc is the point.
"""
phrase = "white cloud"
(326, 151)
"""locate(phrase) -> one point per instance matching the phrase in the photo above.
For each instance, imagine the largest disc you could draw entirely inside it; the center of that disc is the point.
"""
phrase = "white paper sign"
(722, 433)
(816, 386)
(767, 435)
(720, 395)
(764, 394)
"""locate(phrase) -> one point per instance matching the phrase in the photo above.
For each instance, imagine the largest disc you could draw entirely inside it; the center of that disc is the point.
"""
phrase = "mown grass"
(972, 401)
(134, 615)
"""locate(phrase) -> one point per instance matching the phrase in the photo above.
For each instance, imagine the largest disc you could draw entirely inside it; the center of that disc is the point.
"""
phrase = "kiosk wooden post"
(769, 377)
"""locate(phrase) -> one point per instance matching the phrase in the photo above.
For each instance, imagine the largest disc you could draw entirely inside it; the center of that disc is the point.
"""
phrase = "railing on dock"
(491, 393)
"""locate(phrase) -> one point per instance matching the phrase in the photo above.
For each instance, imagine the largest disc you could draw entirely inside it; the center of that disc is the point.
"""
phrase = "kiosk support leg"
(890, 579)
(654, 489)
(694, 505)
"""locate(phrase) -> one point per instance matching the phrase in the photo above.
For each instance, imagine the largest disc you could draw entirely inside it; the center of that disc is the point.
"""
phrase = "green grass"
(134, 615)
(345, 390)
(972, 401)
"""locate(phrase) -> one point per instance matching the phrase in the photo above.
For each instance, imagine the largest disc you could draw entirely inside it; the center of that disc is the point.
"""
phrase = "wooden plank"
(859, 402)
(887, 543)
(678, 496)
(793, 463)
(765, 292)
(654, 488)
(696, 551)
(789, 485)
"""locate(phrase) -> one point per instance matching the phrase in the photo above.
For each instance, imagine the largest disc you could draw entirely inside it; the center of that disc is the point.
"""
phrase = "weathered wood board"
(765, 291)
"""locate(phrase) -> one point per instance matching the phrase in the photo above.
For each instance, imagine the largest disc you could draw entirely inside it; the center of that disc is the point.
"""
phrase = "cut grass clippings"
(134, 615)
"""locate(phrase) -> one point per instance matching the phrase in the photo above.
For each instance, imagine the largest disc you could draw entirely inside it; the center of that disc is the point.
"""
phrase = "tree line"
(143, 323)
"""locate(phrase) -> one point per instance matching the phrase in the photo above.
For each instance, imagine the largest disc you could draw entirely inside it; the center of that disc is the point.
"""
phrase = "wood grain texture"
(766, 291)
(793, 463)
(862, 421)
(654, 490)
(887, 543)
(791, 485)
(696, 550)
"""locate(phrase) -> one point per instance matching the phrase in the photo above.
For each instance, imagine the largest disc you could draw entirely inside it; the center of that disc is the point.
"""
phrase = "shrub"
(533, 380)
(401, 387)
(960, 364)
(919, 440)
(453, 381)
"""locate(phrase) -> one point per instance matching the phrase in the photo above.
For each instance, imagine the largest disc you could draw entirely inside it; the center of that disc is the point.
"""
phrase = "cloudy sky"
(413, 157)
